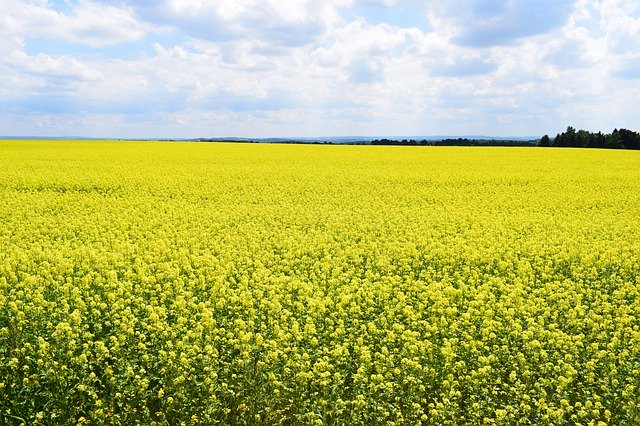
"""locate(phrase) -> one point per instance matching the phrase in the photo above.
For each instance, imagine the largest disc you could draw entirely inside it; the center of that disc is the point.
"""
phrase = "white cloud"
(280, 22)
(620, 23)
(383, 3)
(48, 66)
(89, 22)
(311, 67)
(360, 52)
(481, 23)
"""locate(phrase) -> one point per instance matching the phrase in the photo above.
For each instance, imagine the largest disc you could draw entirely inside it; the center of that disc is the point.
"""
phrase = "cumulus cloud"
(88, 22)
(620, 25)
(627, 69)
(48, 66)
(383, 3)
(311, 67)
(281, 22)
(481, 23)
(360, 52)
(462, 66)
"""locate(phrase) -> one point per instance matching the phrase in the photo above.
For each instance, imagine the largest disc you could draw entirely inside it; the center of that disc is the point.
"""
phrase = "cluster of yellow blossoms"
(168, 283)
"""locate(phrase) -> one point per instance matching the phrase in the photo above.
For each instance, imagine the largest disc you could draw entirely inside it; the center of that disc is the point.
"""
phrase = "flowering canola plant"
(196, 283)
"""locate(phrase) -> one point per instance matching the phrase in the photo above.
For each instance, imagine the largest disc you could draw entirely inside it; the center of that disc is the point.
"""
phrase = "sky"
(287, 68)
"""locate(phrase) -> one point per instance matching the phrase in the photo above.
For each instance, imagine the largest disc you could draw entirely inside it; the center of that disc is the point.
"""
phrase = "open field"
(248, 284)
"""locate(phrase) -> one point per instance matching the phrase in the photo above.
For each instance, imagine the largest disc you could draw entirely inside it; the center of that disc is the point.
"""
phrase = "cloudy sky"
(215, 68)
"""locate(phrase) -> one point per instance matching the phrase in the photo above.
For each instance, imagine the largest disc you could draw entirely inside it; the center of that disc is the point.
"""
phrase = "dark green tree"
(582, 139)
(618, 139)
(613, 140)
(596, 140)
(568, 138)
(629, 139)
(545, 141)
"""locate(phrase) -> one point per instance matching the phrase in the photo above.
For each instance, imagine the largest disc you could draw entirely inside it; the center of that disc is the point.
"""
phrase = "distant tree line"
(403, 142)
(618, 139)
(454, 142)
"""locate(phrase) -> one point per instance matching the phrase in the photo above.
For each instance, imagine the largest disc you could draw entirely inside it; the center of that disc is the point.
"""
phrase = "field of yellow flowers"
(200, 283)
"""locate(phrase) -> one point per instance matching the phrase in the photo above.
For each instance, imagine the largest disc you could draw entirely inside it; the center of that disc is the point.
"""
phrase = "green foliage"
(618, 139)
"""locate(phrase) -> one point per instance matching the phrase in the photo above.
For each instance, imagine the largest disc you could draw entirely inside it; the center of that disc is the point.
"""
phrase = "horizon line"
(434, 137)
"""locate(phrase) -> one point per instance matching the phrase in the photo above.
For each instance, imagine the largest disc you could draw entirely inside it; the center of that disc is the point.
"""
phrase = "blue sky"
(269, 68)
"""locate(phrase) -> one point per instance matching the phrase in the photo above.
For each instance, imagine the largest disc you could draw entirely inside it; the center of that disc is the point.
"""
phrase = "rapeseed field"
(200, 283)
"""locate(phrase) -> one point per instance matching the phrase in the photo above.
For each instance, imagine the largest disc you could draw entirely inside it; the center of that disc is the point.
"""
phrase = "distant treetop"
(618, 139)
(455, 142)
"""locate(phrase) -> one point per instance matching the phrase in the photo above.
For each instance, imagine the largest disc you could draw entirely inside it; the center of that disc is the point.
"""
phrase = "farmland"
(148, 282)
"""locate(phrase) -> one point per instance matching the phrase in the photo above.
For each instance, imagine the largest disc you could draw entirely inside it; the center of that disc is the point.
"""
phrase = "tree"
(545, 141)
(582, 138)
(618, 139)
(570, 137)
(613, 140)
(597, 140)
(629, 139)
